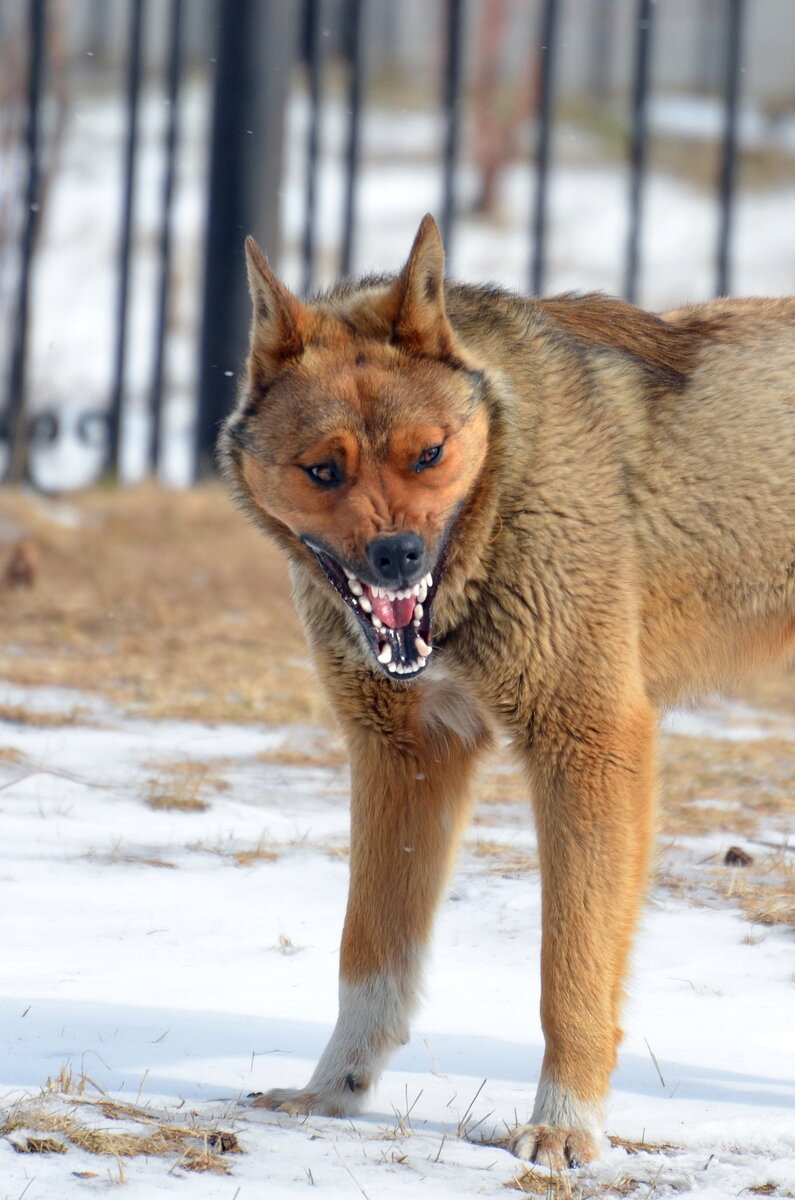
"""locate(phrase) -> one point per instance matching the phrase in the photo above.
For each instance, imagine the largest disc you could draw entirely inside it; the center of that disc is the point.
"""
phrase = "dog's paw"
(551, 1146)
(303, 1101)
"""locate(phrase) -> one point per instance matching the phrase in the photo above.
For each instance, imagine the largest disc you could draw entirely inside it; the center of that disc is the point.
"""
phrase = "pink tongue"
(394, 613)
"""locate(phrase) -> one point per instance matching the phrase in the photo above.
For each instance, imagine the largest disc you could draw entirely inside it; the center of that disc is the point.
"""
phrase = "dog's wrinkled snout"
(396, 558)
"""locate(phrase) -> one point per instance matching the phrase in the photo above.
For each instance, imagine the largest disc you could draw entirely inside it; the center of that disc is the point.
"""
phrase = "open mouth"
(396, 623)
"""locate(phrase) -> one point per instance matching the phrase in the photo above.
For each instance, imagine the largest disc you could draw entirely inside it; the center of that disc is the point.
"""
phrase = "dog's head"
(362, 431)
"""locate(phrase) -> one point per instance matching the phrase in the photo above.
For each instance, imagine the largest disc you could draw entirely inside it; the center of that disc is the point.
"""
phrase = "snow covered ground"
(181, 959)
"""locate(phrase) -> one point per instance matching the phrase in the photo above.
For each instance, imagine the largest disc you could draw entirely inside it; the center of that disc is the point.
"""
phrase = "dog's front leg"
(409, 802)
(592, 777)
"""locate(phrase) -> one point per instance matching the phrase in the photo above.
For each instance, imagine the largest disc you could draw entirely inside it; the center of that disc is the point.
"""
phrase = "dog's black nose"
(396, 558)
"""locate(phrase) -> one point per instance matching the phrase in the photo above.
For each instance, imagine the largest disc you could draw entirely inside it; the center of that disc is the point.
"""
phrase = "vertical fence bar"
(638, 145)
(728, 168)
(312, 46)
(546, 80)
(15, 409)
(353, 53)
(134, 66)
(255, 51)
(602, 37)
(173, 72)
(454, 41)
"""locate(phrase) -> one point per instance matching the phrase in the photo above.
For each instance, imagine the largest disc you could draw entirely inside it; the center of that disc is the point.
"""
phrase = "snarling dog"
(544, 518)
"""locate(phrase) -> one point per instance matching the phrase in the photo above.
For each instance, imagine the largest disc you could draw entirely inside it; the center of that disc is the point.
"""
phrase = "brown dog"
(549, 518)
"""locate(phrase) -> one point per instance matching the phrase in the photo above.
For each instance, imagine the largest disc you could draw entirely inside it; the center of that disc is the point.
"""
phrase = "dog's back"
(682, 428)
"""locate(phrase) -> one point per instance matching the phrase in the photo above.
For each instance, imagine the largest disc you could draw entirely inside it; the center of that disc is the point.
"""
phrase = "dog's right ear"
(278, 320)
(421, 320)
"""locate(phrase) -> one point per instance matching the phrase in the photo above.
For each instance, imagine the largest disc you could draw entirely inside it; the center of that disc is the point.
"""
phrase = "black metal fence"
(258, 54)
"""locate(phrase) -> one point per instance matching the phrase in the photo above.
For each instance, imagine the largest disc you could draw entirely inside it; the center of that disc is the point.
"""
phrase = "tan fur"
(610, 526)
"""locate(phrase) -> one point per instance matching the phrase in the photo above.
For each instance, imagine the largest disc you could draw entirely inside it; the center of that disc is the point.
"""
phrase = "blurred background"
(645, 149)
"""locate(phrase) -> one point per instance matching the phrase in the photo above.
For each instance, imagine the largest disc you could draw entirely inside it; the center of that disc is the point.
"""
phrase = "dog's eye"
(429, 457)
(327, 474)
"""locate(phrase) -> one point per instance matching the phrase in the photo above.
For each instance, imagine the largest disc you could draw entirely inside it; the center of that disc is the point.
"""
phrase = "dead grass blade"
(66, 1117)
(181, 786)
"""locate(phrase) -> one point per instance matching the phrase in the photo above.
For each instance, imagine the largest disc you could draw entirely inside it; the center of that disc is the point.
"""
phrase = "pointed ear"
(278, 319)
(421, 321)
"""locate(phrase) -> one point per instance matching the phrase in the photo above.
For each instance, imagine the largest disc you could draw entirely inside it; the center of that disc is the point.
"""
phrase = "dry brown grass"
(168, 603)
(328, 754)
(503, 858)
(640, 1147)
(564, 1186)
(72, 1113)
(120, 854)
(765, 891)
(17, 714)
(748, 781)
(180, 786)
(745, 789)
(248, 856)
(264, 851)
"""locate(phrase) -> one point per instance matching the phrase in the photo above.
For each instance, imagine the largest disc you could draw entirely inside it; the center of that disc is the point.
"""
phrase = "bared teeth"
(385, 653)
(418, 611)
(365, 604)
(422, 591)
(422, 648)
(376, 622)
(355, 586)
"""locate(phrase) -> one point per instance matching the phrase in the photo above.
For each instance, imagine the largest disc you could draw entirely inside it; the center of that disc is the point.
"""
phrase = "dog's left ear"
(421, 322)
(278, 321)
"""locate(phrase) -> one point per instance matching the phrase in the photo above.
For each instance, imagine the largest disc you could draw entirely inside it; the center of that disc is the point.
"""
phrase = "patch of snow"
(137, 953)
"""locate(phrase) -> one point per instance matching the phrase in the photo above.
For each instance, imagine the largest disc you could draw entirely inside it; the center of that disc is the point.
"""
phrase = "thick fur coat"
(542, 518)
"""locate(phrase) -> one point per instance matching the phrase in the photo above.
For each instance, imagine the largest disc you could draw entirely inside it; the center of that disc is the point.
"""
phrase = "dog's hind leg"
(592, 775)
(410, 800)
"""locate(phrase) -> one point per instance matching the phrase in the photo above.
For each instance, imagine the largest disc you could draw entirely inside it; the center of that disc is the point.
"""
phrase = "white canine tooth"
(418, 611)
(392, 667)
(354, 585)
(416, 622)
(374, 621)
(422, 647)
(365, 604)
(429, 580)
(421, 661)
(422, 591)
(385, 653)
(350, 574)
(390, 595)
